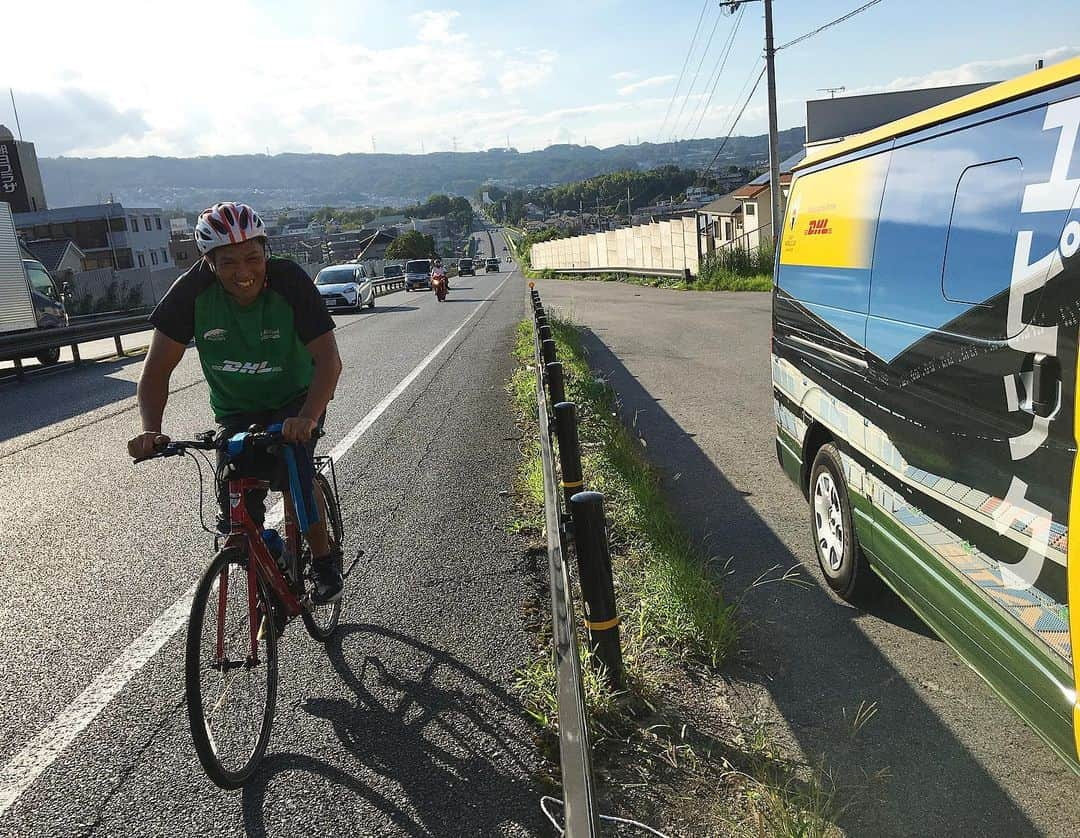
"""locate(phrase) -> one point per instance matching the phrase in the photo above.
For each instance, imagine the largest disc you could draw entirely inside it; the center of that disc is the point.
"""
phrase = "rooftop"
(51, 251)
(81, 213)
(997, 94)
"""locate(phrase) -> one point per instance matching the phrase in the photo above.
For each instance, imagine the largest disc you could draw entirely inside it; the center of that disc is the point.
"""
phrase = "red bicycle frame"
(244, 532)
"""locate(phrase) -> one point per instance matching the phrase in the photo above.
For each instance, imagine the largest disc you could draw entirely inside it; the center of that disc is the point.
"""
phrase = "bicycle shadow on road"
(437, 745)
(812, 657)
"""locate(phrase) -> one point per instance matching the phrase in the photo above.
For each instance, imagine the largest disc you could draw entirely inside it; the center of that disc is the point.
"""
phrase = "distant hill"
(368, 179)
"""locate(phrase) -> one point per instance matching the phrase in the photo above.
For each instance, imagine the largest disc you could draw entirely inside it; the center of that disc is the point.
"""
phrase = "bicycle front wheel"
(231, 684)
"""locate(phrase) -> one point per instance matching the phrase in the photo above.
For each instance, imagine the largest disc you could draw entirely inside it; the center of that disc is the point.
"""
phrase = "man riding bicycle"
(267, 349)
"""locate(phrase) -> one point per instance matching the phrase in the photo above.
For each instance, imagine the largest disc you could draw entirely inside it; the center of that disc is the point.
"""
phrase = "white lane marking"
(38, 754)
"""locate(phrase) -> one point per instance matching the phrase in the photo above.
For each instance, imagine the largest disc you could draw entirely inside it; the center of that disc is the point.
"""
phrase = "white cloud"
(998, 69)
(624, 75)
(652, 81)
(221, 100)
(525, 69)
(434, 27)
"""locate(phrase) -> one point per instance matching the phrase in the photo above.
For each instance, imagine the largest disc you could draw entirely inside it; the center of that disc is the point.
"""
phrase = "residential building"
(184, 252)
(377, 244)
(110, 235)
(700, 195)
(437, 228)
(61, 257)
(384, 221)
(720, 223)
(180, 228)
(358, 244)
(20, 177)
(743, 218)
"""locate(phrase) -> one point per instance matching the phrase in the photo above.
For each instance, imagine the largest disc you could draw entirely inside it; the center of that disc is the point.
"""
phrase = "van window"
(982, 232)
(40, 281)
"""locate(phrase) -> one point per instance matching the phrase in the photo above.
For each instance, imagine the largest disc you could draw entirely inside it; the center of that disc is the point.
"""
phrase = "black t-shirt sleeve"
(174, 316)
(310, 317)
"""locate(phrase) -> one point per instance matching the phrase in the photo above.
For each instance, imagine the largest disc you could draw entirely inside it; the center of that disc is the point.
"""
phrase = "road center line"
(28, 764)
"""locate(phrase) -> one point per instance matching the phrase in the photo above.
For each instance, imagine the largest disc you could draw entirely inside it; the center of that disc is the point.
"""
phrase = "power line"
(831, 23)
(686, 61)
(722, 63)
(736, 122)
(713, 80)
(697, 72)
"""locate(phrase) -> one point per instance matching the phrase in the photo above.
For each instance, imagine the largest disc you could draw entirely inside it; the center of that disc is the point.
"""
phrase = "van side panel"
(973, 280)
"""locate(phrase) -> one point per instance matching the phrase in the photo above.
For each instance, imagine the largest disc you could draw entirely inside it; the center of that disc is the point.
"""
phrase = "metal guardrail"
(28, 344)
(575, 749)
(587, 526)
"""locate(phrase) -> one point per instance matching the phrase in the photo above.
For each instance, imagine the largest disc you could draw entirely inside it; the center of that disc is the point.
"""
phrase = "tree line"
(457, 210)
(610, 189)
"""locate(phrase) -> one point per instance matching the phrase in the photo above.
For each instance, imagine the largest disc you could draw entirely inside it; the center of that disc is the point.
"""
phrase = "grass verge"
(663, 753)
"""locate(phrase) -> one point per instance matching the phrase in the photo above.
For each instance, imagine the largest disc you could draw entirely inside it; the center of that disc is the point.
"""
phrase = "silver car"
(345, 286)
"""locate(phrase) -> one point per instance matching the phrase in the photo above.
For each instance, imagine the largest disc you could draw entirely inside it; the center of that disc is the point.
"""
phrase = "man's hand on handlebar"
(298, 429)
(146, 444)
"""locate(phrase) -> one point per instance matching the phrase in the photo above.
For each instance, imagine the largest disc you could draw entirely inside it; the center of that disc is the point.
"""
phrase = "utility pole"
(598, 227)
(629, 212)
(774, 141)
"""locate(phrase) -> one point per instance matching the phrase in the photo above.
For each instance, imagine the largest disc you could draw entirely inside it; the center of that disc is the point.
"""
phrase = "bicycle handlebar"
(208, 441)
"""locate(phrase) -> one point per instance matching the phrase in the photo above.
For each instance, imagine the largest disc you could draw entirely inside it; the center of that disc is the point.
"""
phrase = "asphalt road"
(403, 725)
(692, 371)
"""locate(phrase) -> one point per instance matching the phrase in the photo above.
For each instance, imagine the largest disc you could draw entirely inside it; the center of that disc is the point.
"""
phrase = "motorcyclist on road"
(438, 271)
(267, 349)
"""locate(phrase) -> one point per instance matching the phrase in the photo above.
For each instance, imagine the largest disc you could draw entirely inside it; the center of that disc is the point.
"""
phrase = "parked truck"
(29, 299)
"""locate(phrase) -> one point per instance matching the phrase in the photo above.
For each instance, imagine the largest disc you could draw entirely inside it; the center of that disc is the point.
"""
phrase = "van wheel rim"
(829, 522)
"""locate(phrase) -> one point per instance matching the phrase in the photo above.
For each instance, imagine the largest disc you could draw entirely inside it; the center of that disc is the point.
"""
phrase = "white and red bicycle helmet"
(227, 223)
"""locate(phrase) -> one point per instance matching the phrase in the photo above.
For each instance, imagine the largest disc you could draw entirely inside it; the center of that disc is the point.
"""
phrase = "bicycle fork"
(253, 617)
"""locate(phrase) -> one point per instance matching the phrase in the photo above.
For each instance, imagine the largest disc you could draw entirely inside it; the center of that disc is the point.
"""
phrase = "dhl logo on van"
(841, 203)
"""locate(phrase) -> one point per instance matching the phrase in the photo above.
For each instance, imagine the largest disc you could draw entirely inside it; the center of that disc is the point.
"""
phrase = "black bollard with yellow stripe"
(569, 450)
(597, 587)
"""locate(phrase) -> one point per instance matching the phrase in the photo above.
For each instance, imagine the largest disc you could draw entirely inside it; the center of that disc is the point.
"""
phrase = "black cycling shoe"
(327, 579)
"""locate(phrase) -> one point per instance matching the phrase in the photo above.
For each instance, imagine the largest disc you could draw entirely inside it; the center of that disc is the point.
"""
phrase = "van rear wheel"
(832, 525)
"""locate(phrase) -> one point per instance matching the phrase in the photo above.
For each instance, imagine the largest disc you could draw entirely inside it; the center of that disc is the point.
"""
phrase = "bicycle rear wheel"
(230, 694)
(322, 620)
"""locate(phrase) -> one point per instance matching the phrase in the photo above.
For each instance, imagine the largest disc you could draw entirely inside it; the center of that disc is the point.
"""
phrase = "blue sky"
(350, 75)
